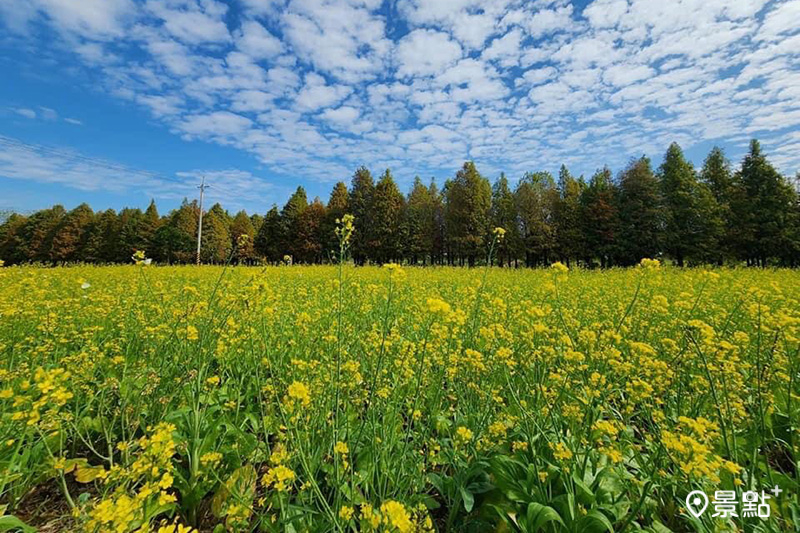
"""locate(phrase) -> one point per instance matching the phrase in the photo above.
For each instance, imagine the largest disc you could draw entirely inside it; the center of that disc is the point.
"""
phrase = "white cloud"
(30, 162)
(470, 80)
(506, 49)
(232, 188)
(94, 53)
(174, 56)
(781, 19)
(192, 22)
(23, 161)
(473, 29)
(345, 39)
(587, 51)
(159, 105)
(252, 101)
(260, 7)
(605, 13)
(218, 123)
(538, 75)
(548, 21)
(73, 121)
(254, 40)
(96, 19)
(317, 94)
(342, 115)
(314, 87)
(48, 113)
(25, 112)
(426, 52)
(282, 79)
(621, 75)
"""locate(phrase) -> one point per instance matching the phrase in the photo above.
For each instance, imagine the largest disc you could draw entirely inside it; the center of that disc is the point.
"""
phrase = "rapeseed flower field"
(292, 399)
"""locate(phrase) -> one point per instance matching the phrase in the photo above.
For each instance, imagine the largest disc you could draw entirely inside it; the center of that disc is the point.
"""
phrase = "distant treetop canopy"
(713, 216)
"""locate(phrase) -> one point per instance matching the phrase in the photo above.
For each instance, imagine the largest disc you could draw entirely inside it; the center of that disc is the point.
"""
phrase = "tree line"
(712, 216)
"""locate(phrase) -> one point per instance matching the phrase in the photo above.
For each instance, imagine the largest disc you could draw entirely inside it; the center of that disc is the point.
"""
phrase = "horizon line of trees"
(711, 216)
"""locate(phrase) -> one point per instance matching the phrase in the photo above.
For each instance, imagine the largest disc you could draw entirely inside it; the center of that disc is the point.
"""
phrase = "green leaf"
(479, 487)
(430, 503)
(72, 464)
(782, 426)
(240, 487)
(468, 498)
(538, 515)
(12, 523)
(595, 522)
(583, 494)
(658, 527)
(565, 503)
(87, 474)
(436, 481)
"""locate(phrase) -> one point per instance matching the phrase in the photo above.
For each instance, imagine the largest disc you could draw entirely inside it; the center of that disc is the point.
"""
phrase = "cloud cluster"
(42, 113)
(233, 188)
(313, 88)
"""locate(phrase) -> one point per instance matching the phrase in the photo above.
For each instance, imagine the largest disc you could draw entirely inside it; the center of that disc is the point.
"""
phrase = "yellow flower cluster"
(279, 476)
(393, 516)
(693, 450)
(298, 393)
(149, 477)
(44, 398)
(308, 376)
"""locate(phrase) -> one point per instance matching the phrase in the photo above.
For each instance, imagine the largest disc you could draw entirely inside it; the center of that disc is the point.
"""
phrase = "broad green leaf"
(538, 515)
(595, 522)
(240, 487)
(12, 523)
(658, 527)
(87, 474)
(468, 498)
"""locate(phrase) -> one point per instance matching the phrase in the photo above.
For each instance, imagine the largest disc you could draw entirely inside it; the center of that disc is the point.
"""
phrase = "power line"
(202, 188)
(73, 157)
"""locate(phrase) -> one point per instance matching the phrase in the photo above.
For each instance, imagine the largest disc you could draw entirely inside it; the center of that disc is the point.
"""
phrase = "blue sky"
(115, 102)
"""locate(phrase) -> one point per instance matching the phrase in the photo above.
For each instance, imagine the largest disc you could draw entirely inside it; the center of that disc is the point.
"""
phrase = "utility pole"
(202, 188)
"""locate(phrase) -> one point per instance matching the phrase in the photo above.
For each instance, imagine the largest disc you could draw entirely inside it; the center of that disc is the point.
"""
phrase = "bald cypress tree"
(72, 235)
(176, 239)
(504, 215)
(693, 222)
(362, 190)
(792, 253)
(535, 197)
(338, 206)
(762, 208)
(243, 236)
(600, 218)
(640, 213)
(269, 240)
(11, 239)
(148, 226)
(468, 199)
(102, 237)
(388, 204)
(130, 234)
(438, 244)
(290, 222)
(309, 233)
(716, 175)
(567, 217)
(216, 239)
(419, 221)
(38, 233)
